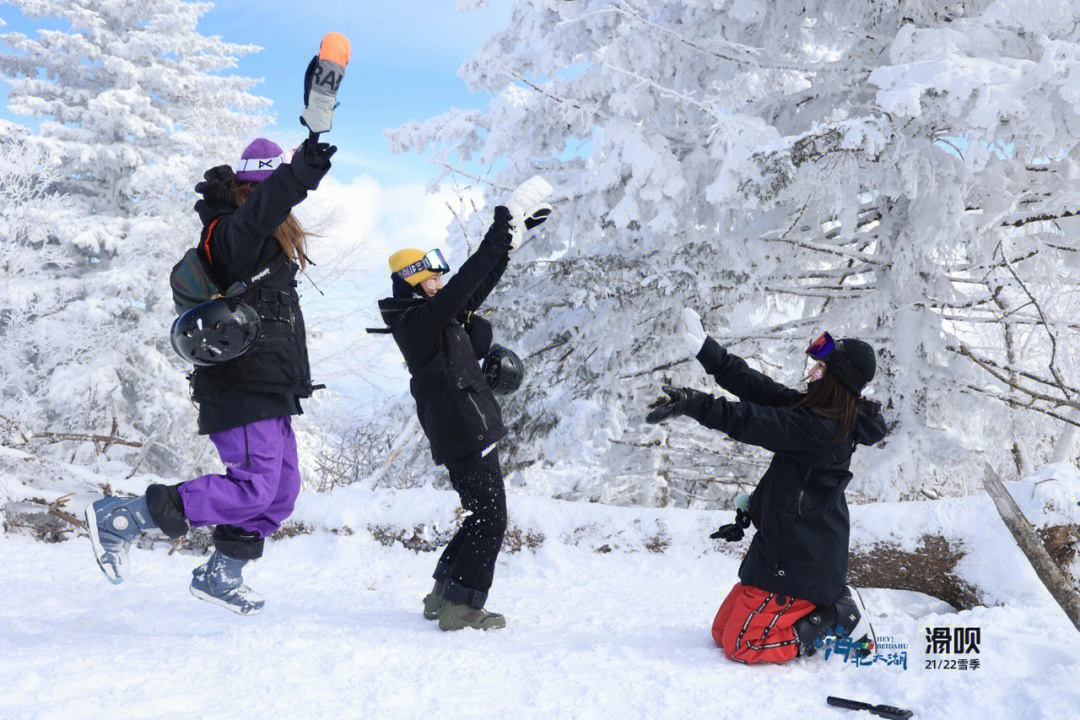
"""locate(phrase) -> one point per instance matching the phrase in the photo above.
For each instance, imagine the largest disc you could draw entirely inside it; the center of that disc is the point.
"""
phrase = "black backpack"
(193, 281)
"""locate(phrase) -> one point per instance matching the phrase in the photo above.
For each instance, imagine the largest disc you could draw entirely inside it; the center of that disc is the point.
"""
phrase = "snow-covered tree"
(131, 106)
(901, 172)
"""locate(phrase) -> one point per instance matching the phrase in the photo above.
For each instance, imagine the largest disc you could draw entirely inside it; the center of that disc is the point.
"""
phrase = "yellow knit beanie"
(403, 259)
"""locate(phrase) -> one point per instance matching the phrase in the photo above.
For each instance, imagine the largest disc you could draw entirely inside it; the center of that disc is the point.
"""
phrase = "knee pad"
(167, 509)
(238, 543)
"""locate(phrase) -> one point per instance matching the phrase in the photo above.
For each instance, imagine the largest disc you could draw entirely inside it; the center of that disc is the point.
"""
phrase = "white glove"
(527, 207)
(693, 332)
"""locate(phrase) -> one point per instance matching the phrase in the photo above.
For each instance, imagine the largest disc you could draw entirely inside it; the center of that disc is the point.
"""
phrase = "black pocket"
(270, 362)
(807, 546)
(429, 382)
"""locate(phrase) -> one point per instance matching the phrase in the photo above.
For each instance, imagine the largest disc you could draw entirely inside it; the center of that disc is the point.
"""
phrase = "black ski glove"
(217, 186)
(537, 218)
(499, 232)
(734, 531)
(311, 162)
(680, 401)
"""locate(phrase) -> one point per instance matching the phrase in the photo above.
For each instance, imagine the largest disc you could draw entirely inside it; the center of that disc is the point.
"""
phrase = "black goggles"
(433, 261)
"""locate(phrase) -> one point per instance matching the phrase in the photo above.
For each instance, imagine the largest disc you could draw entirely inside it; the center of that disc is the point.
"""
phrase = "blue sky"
(404, 66)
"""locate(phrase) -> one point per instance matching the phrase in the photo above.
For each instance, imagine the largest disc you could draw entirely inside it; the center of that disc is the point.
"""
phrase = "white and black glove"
(527, 207)
(693, 332)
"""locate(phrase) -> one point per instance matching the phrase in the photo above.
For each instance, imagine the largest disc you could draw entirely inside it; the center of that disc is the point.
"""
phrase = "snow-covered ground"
(591, 635)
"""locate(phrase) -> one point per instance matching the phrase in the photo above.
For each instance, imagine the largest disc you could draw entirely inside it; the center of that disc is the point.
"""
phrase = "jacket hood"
(208, 211)
(870, 428)
(392, 308)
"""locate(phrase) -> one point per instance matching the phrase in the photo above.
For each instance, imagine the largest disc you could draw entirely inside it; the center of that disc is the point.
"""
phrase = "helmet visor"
(822, 347)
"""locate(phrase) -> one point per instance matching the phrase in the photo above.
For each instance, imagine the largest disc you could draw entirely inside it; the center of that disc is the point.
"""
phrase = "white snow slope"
(612, 635)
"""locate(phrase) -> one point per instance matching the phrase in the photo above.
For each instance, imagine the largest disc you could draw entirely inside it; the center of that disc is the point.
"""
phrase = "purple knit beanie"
(259, 160)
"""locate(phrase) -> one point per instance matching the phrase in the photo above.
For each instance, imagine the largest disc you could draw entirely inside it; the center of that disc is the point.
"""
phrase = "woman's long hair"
(828, 398)
(290, 235)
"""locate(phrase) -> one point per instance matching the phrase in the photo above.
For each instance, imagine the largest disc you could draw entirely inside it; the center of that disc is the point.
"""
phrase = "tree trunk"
(1060, 587)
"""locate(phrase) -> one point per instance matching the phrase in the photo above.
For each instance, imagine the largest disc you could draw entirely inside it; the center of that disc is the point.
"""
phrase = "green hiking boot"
(453, 616)
(433, 602)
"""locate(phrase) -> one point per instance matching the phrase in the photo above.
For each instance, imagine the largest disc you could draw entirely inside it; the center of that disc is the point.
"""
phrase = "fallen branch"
(84, 437)
(55, 509)
(1063, 591)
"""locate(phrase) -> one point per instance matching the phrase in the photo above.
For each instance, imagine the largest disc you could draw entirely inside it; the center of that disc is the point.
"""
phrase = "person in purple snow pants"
(245, 404)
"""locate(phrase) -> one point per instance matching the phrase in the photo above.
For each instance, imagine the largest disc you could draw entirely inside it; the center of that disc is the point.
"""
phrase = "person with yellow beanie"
(431, 324)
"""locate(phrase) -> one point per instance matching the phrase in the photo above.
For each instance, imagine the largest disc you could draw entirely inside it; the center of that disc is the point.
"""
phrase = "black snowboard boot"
(846, 618)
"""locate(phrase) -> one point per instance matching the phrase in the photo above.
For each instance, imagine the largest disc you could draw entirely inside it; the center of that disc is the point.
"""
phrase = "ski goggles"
(822, 347)
(433, 262)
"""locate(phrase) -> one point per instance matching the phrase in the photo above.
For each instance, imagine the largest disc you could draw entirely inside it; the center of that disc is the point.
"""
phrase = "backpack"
(193, 281)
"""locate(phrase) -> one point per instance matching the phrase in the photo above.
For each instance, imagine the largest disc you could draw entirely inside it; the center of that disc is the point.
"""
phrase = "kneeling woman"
(437, 333)
(792, 591)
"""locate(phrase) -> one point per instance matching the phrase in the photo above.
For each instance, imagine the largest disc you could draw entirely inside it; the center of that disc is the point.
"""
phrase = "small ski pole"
(885, 711)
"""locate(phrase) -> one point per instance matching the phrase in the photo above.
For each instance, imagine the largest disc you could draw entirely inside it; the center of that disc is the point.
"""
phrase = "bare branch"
(1057, 402)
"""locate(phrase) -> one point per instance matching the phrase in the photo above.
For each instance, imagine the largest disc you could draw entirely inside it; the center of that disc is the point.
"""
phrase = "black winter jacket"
(458, 412)
(269, 379)
(798, 507)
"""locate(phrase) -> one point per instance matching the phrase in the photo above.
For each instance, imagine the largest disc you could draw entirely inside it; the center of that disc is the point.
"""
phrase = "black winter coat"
(269, 379)
(798, 507)
(457, 410)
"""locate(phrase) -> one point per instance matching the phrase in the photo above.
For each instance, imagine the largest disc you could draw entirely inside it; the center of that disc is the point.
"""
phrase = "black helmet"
(215, 332)
(503, 370)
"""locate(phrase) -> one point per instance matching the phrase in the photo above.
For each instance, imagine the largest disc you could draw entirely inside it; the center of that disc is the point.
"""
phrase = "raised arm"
(733, 374)
(788, 431)
(487, 284)
(455, 297)
(239, 239)
(794, 432)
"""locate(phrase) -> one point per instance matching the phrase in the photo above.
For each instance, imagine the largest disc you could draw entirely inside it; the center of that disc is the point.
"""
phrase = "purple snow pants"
(261, 479)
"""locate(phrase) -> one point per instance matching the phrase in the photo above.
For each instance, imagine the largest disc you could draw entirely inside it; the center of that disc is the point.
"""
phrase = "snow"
(590, 635)
(728, 173)
(599, 626)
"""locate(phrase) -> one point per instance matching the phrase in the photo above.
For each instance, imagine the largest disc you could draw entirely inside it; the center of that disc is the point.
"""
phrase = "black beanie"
(856, 365)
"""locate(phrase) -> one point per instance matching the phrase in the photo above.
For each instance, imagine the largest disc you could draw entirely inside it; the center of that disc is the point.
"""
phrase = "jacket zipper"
(481, 414)
(802, 491)
(247, 456)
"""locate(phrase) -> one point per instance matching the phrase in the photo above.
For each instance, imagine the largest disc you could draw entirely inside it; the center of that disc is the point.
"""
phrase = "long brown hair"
(290, 235)
(828, 398)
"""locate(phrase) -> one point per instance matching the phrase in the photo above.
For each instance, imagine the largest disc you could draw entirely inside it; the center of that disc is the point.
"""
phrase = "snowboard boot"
(853, 621)
(219, 581)
(454, 616)
(847, 618)
(812, 629)
(433, 601)
(113, 523)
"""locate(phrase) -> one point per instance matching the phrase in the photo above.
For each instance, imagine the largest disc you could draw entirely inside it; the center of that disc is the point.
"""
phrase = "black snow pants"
(467, 564)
